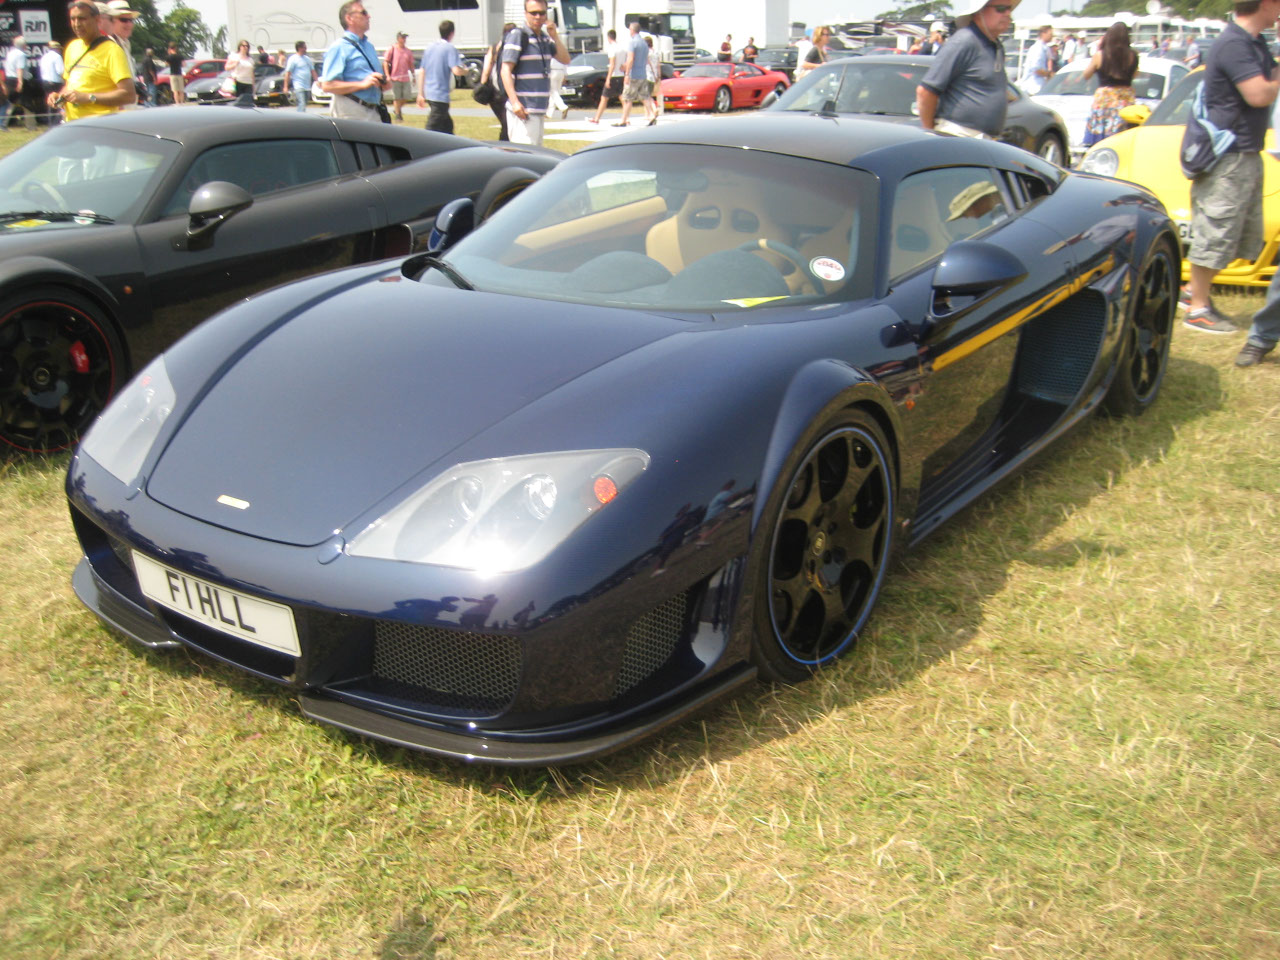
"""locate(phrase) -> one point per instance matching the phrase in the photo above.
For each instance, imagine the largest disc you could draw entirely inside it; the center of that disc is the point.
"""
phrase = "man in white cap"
(966, 84)
(123, 17)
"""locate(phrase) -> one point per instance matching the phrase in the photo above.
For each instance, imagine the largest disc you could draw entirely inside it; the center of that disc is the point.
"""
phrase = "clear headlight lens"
(496, 516)
(121, 437)
(1101, 160)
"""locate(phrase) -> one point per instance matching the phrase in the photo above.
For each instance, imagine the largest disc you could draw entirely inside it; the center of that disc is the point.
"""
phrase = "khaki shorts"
(637, 91)
(1226, 212)
(403, 90)
(177, 84)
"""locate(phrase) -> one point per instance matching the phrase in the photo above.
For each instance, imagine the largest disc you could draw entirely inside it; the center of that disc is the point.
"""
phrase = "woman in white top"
(240, 64)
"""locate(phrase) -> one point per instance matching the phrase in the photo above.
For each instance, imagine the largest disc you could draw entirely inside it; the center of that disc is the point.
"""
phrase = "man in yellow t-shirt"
(97, 75)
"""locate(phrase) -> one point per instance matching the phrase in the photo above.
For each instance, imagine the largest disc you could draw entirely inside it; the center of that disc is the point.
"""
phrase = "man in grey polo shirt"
(966, 83)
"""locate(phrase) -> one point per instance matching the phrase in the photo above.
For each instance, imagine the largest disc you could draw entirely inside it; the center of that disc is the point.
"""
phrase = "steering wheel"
(37, 191)
(790, 254)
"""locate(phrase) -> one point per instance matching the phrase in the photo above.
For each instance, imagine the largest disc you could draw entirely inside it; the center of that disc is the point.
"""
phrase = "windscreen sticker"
(824, 268)
(26, 223)
(752, 301)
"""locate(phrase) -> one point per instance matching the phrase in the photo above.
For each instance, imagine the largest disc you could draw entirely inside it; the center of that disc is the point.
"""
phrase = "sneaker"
(1251, 354)
(1184, 299)
(1208, 320)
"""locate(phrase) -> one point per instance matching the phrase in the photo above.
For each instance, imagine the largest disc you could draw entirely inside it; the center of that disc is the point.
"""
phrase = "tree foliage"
(909, 10)
(181, 25)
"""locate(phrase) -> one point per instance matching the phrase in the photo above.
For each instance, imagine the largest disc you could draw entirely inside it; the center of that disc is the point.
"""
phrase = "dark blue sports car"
(653, 429)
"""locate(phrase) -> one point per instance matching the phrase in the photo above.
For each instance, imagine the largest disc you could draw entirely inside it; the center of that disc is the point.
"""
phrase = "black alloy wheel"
(1144, 352)
(60, 362)
(829, 548)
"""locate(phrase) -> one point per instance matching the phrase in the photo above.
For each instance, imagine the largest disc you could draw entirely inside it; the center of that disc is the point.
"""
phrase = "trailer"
(279, 24)
(669, 21)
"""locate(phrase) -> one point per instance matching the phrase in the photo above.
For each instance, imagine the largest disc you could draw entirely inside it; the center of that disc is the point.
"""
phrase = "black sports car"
(655, 428)
(119, 234)
(885, 87)
(585, 78)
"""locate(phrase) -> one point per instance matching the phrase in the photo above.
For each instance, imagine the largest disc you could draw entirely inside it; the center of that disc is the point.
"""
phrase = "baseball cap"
(120, 10)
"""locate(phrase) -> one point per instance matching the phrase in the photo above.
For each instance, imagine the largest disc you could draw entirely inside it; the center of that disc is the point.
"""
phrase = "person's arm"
(1258, 91)
(509, 84)
(458, 69)
(562, 52)
(926, 106)
(421, 77)
(284, 85)
(343, 87)
(124, 94)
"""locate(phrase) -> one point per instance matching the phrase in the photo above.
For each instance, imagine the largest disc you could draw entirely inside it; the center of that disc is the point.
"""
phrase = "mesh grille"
(1059, 349)
(651, 641)
(461, 669)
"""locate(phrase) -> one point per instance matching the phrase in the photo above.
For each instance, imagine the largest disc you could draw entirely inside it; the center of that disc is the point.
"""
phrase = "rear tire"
(60, 362)
(829, 524)
(1144, 351)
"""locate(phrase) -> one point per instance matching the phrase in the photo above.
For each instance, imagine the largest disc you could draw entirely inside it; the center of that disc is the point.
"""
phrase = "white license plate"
(238, 614)
(1184, 230)
(568, 91)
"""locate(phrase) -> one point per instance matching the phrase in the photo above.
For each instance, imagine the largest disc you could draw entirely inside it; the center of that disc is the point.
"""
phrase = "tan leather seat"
(721, 217)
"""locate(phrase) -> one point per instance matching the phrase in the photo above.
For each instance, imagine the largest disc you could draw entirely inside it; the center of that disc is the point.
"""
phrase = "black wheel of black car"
(60, 362)
(723, 101)
(1051, 148)
(1144, 354)
(829, 547)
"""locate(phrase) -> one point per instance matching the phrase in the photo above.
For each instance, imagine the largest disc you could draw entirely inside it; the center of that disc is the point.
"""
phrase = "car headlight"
(1101, 160)
(121, 437)
(496, 516)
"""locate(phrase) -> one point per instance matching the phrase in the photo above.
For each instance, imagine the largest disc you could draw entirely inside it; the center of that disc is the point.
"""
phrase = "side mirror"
(212, 205)
(455, 220)
(969, 271)
(770, 99)
(1136, 113)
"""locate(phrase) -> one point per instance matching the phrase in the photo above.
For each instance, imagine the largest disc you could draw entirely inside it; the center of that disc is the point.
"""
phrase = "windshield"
(76, 167)
(580, 14)
(679, 227)
(707, 70)
(883, 89)
(1148, 86)
(1174, 109)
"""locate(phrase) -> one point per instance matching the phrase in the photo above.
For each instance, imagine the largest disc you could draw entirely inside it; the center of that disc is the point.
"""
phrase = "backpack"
(1202, 142)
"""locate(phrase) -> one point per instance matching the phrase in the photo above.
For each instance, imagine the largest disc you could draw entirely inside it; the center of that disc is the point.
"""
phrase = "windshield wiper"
(56, 215)
(448, 270)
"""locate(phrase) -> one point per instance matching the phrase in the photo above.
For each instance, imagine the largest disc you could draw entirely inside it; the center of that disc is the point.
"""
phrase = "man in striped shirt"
(527, 53)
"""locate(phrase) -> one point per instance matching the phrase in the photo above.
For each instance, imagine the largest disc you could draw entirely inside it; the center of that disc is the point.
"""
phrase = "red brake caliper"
(79, 357)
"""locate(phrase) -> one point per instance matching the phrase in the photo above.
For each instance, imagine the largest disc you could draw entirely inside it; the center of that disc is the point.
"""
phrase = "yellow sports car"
(1148, 155)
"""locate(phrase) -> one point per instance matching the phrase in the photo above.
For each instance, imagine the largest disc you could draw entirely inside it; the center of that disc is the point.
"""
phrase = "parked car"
(1148, 155)
(885, 88)
(656, 428)
(122, 232)
(584, 78)
(222, 88)
(721, 87)
(779, 60)
(1071, 95)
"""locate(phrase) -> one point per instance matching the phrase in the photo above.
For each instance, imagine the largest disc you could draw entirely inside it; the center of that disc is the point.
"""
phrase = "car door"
(306, 216)
(967, 341)
(748, 83)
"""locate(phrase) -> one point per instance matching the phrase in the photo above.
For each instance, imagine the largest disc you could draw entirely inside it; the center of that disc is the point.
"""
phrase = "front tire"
(60, 362)
(830, 528)
(1050, 148)
(723, 101)
(1144, 352)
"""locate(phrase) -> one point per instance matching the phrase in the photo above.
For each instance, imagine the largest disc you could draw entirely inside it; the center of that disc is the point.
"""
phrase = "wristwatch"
(93, 98)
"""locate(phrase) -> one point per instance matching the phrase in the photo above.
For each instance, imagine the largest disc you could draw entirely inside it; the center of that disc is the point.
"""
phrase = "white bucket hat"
(965, 16)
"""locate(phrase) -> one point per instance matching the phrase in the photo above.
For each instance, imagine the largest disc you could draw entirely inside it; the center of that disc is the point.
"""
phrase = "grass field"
(1058, 738)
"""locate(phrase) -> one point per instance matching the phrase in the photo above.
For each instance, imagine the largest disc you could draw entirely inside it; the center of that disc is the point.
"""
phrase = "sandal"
(627, 124)
(592, 120)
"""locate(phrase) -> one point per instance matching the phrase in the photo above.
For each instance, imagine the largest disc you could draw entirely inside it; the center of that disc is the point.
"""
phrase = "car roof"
(202, 126)
(828, 139)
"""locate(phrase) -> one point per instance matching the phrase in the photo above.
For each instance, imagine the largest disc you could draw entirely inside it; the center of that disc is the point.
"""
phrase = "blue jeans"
(300, 98)
(151, 93)
(1265, 329)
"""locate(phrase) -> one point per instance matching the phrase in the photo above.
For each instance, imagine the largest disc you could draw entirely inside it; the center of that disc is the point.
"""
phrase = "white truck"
(279, 24)
(670, 22)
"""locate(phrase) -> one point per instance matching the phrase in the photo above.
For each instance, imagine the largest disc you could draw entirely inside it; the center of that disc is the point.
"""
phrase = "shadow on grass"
(931, 606)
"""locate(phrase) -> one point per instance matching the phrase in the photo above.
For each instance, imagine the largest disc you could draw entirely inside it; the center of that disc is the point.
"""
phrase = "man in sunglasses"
(966, 85)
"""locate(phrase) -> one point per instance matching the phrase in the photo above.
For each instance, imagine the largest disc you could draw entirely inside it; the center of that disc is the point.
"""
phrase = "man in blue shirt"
(299, 74)
(966, 83)
(1038, 67)
(527, 53)
(637, 86)
(441, 62)
(350, 72)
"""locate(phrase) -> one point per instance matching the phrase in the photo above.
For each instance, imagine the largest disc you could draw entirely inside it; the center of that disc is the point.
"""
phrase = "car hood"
(412, 372)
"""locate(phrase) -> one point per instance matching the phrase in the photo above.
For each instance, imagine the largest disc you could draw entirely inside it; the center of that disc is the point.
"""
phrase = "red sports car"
(721, 87)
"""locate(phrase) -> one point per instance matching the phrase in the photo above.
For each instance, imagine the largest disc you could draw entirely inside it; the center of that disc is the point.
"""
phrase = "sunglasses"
(1001, 7)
